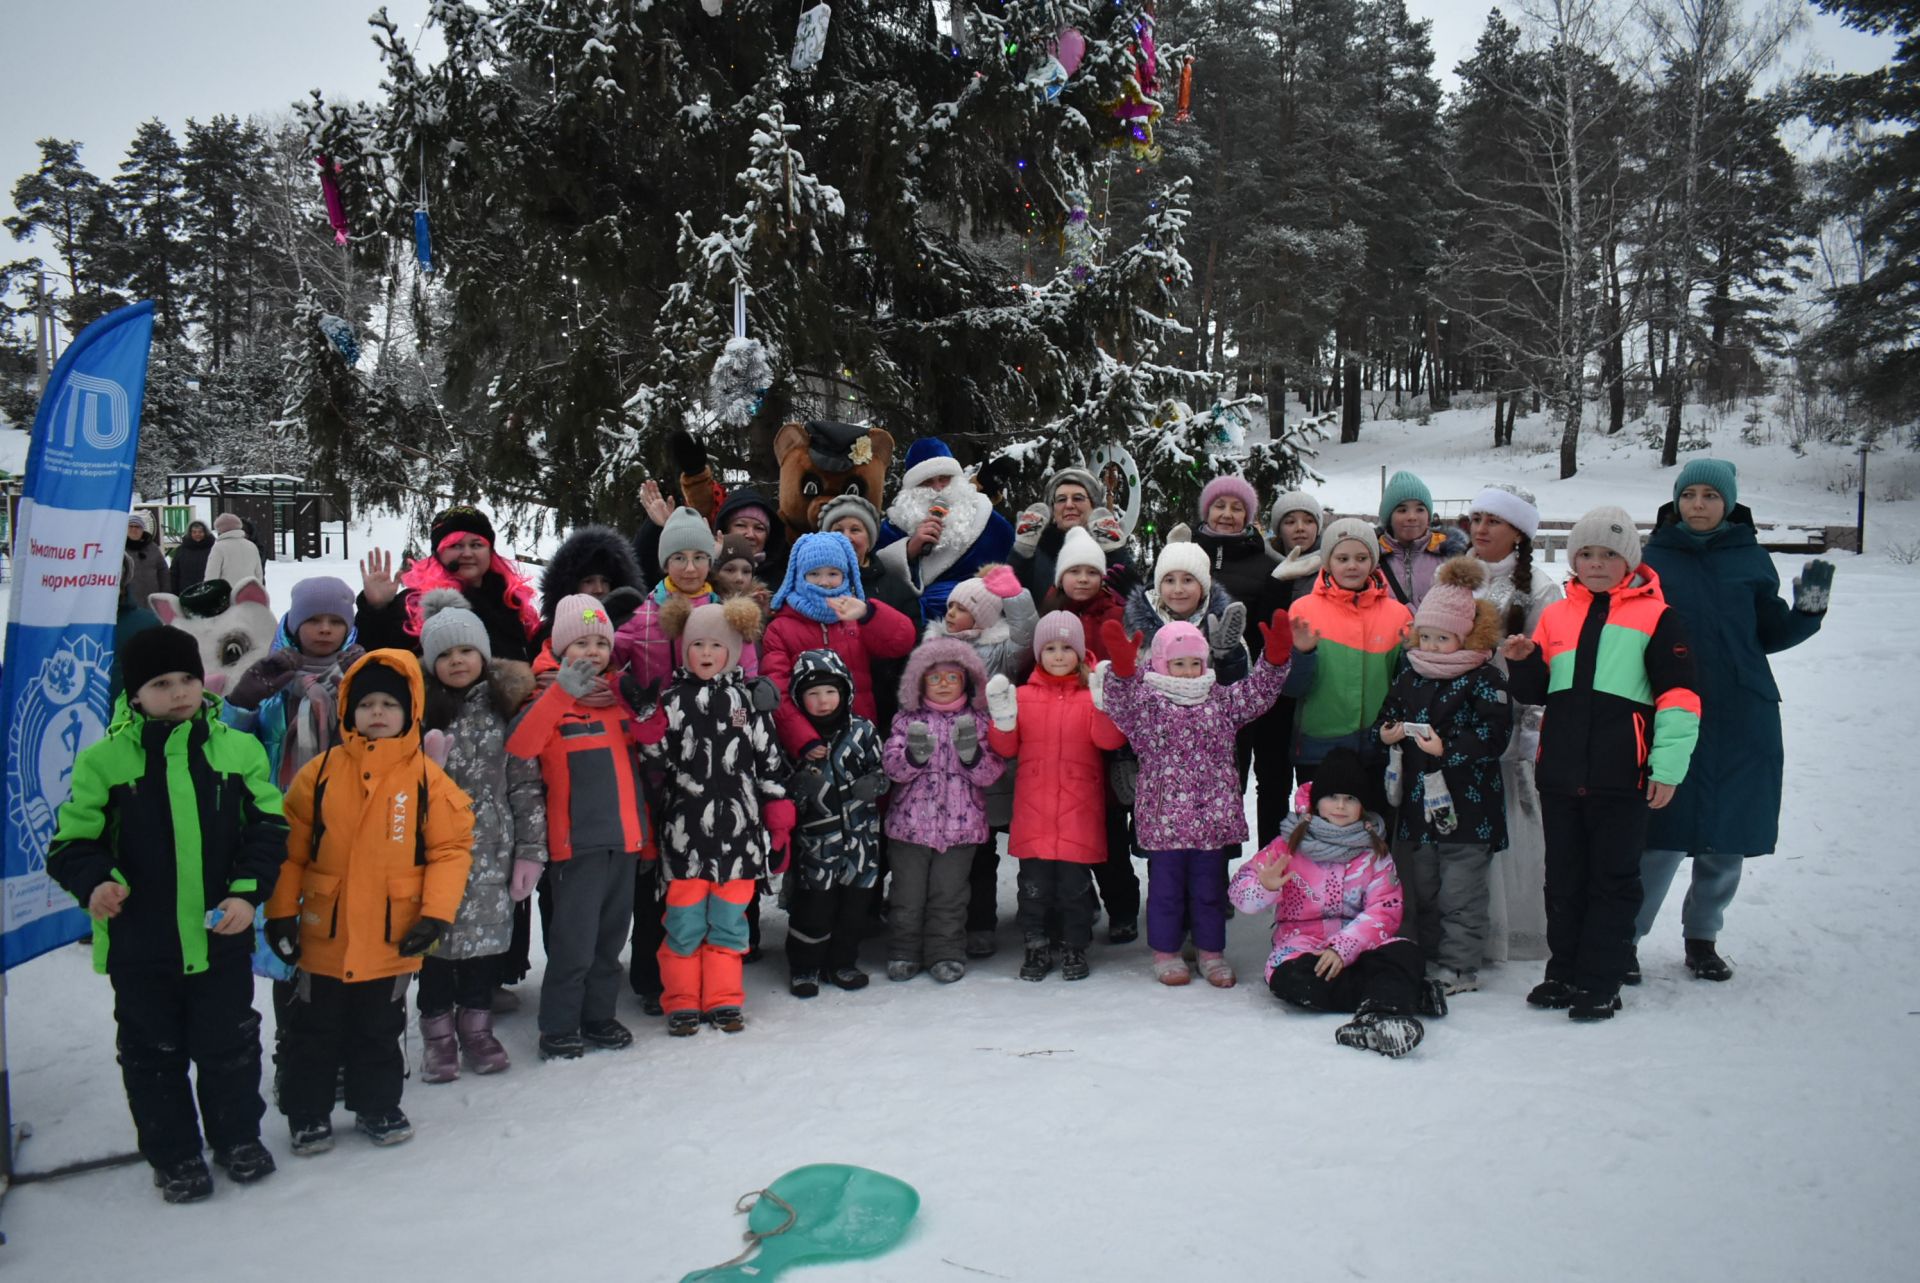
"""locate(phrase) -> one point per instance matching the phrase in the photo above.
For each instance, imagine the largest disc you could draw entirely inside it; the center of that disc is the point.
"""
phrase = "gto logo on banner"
(68, 546)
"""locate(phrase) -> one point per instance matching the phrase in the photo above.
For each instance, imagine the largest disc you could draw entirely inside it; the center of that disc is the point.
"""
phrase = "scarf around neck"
(1185, 691)
(1445, 667)
(1330, 843)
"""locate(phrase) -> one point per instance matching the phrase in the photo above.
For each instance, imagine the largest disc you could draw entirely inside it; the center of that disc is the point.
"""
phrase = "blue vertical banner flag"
(68, 549)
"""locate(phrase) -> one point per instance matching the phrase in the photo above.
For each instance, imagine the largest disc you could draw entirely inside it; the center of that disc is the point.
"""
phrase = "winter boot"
(849, 978)
(606, 1035)
(1039, 959)
(1171, 969)
(804, 984)
(980, 944)
(1217, 970)
(187, 1181)
(388, 1127)
(727, 1020)
(1073, 964)
(1589, 1005)
(650, 1004)
(902, 969)
(441, 1063)
(683, 1024)
(1453, 981)
(1119, 932)
(947, 970)
(1556, 995)
(562, 1046)
(311, 1135)
(478, 1047)
(1632, 975)
(1705, 962)
(1376, 1028)
(1432, 999)
(246, 1162)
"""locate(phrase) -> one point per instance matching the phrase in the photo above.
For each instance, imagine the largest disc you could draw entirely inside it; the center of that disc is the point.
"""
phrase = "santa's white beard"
(967, 513)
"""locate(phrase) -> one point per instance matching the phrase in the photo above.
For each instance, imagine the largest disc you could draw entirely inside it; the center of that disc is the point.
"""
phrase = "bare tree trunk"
(1350, 392)
(1499, 418)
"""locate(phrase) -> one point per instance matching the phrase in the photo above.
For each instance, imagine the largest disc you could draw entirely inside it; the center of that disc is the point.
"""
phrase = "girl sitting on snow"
(1337, 905)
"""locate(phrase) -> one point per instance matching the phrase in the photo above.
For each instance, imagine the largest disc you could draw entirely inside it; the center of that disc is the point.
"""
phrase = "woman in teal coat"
(1724, 586)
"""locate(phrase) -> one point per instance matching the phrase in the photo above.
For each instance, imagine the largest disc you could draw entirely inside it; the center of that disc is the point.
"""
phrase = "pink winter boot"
(1217, 970)
(442, 1060)
(1170, 969)
(483, 1051)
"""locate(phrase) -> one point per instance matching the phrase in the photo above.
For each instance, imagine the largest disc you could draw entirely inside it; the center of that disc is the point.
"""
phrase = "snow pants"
(467, 983)
(351, 1024)
(168, 1020)
(1187, 890)
(983, 886)
(824, 927)
(1118, 881)
(1594, 843)
(706, 934)
(1716, 877)
(927, 903)
(1056, 902)
(649, 930)
(592, 898)
(1450, 898)
(1388, 975)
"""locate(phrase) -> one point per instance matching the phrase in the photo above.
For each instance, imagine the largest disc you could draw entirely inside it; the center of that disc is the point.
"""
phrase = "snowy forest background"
(1614, 216)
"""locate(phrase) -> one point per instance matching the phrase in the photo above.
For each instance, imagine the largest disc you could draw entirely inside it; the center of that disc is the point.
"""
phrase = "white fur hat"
(1078, 549)
(1512, 505)
(1184, 554)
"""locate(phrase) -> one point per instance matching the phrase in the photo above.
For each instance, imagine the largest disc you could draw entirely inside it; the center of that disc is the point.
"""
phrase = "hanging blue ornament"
(340, 334)
(422, 240)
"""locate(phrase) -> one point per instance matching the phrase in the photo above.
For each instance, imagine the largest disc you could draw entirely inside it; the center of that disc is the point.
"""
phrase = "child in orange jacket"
(378, 849)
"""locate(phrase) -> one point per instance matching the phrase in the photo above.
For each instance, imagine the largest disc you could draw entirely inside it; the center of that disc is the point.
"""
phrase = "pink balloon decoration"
(1070, 47)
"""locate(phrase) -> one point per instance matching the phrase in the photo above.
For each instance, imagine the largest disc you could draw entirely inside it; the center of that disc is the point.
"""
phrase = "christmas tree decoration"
(330, 190)
(1183, 105)
(1050, 77)
(340, 333)
(1119, 478)
(738, 385)
(714, 8)
(1079, 243)
(1070, 47)
(810, 39)
(422, 240)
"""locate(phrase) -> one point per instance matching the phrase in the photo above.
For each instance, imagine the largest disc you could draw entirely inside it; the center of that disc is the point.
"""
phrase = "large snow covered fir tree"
(905, 220)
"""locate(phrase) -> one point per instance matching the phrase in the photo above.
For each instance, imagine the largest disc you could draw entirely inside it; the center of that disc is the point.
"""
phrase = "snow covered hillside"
(1117, 1130)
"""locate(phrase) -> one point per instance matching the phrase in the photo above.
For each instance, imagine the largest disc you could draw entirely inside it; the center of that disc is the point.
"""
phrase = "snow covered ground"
(1117, 1130)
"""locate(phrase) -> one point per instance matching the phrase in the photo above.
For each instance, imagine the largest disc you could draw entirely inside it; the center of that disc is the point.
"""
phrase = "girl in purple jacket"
(1187, 804)
(939, 761)
(1337, 907)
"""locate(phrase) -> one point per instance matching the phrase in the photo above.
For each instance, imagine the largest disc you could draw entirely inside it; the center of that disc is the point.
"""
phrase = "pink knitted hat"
(978, 600)
(1060, 625)
(1234, 486)
(1177, 641)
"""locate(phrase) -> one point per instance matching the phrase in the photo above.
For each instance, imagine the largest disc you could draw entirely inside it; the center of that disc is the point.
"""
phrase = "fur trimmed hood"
(943, 650)
(587, 551)
(1144, 614)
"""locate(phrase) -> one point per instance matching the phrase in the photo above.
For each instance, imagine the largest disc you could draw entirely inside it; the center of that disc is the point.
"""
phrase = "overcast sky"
(92, 70)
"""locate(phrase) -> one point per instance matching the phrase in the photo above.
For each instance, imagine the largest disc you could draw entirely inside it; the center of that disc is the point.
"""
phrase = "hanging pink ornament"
(1070, 47)
(330, 188)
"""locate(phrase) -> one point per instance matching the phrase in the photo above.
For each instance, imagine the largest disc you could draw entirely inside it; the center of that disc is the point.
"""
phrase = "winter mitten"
(779, 817)
(1439, 803)
(765, 695)
(966, 741)
(1002, 702)
(1123, 652)
(1029, 526)
(1812, 587)
(1224, 633)
(1123, 776)
(652, 728)
(870, 787)
(435, 744)
(808, 787)
(524, 878)
(578, 678)
(689, 456)
(919, 743)
(349, 657)
(1396, 777)
(423, 936)
(265, 678)
(640, 699)
(1106, 530)
(621, 604)
(1277, 638)
(283, 937)
(1002, 582)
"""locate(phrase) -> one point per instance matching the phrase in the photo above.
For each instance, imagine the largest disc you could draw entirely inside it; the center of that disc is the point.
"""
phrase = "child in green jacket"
(172, 838)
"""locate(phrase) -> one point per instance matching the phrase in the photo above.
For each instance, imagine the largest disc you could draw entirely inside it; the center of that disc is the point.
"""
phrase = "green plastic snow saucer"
(821, 1212)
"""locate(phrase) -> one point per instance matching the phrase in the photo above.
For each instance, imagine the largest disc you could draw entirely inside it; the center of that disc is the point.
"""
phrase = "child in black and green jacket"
(172, 838)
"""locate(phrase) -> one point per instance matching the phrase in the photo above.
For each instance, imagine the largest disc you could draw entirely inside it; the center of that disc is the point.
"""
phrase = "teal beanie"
(1717, 473)
(1403, 487)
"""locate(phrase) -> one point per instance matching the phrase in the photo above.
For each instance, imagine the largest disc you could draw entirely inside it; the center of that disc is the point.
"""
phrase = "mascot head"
(233, 624)
(822, 460)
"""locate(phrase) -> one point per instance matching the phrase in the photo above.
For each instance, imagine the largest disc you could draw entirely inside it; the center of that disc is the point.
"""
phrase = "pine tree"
(65, 200)
(149, 261)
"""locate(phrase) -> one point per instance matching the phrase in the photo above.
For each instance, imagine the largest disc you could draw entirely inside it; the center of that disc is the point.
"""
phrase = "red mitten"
(1123, 652)
(1279, 638)
(779, 816)
(654, 729)
(1002, 582)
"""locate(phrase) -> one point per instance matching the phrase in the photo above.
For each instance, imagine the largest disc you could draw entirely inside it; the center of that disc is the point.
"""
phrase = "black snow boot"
(727, 1020)
(187, 1181)
(804, 984)
(1705, 961)
(386, 1127)
(1556, 995)
(1073, 964)
(1376, 1028)
(310, 1136)
(849, 978)
(1587, 1005)
(562, 1046)
(606, 1035)
(683, 1024)
(1039, 960)
(1432, 999)
(1632, 976)
(246, 1162)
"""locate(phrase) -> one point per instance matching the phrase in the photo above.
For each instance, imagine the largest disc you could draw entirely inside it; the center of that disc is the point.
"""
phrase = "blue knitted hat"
(1403, 487)
(1717, 473)
(811, 552)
